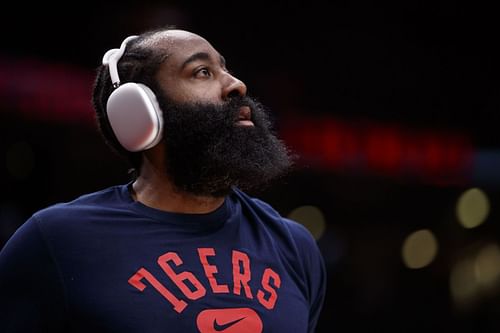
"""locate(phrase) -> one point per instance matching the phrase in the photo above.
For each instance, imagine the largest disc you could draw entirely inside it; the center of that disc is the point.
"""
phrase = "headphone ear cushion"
(135, 116)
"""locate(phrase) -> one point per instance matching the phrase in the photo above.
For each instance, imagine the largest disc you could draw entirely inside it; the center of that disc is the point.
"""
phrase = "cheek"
(209, 95)
(208, 92)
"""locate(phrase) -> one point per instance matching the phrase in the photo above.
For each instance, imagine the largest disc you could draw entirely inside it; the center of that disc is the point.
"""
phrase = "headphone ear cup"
(135, 116)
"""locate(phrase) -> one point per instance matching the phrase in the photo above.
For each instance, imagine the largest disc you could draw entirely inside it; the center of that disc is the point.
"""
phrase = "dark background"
(421, 74)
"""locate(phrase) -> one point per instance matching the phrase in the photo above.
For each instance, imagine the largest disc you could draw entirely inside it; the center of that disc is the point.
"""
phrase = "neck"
(154, 189)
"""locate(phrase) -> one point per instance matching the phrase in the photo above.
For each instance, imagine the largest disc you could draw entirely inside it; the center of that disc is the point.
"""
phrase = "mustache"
(224, 113)
(236, 102)
(239, 101)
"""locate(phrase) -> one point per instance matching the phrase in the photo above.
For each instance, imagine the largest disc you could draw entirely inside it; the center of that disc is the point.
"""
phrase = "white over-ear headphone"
(132, 108)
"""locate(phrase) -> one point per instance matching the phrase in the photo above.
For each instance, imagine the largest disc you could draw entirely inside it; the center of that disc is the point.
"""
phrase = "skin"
(203, 79)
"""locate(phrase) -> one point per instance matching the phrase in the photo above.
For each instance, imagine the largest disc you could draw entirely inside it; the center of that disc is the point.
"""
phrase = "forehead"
(179, 45)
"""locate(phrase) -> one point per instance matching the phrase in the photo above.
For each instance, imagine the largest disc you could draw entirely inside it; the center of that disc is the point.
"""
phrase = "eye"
(202, 72)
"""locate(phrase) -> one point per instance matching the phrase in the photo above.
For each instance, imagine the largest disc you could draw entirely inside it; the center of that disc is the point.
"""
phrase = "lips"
(245, 116)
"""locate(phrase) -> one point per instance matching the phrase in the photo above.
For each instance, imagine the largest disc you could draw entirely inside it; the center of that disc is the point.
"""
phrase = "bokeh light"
(463, 283)
(419, 249)
(472, 208)
(311, 217)
(476, 276)
(487, 265)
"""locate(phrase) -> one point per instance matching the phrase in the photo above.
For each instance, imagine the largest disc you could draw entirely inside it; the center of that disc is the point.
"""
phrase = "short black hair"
(139, 64)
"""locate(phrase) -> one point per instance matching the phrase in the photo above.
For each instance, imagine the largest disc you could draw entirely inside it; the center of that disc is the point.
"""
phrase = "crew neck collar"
(194, 222)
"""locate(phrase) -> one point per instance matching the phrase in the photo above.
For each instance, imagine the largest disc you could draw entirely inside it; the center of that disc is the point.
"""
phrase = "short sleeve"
(314, 270)
(318, 288)
(31, 297)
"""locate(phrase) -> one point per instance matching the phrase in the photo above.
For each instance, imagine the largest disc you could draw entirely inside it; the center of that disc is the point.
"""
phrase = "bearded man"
(181, 247)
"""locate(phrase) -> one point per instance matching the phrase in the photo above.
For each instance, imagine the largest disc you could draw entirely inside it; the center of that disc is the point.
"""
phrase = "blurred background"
(393, 108)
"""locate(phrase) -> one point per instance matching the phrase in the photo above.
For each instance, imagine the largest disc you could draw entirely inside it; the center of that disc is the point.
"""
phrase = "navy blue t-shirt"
(106, 263)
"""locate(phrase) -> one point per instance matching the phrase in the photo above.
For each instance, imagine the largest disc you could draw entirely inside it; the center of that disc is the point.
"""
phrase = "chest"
(214, 287)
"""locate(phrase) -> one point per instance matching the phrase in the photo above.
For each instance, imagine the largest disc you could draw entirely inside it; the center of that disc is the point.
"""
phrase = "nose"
(233, 87)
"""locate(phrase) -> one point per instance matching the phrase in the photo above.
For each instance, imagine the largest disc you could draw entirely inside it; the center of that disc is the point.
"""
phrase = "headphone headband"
(111, 58)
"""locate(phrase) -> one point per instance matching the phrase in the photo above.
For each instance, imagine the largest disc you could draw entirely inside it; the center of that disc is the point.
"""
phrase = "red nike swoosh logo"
(221, 327)
(229, 320)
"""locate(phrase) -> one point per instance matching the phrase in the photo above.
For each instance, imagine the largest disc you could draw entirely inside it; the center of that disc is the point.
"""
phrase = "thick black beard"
(207, 153)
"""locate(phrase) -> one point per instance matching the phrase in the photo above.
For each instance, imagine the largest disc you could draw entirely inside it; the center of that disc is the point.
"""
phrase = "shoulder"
(294, 231)
(301, 234)
(83, 203)
(66, 220)
(296, 245)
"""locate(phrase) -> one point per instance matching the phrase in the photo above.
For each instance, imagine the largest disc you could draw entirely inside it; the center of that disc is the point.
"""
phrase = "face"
(194, 71)
(215, 136)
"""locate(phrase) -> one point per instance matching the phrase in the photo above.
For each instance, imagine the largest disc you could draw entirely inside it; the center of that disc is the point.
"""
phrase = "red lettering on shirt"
(193, 289)
(179, 278)
(135, 280)
(270, 302)
(210, 270)
(241, 277)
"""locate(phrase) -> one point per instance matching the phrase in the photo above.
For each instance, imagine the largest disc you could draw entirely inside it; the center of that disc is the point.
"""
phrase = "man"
(181, 248)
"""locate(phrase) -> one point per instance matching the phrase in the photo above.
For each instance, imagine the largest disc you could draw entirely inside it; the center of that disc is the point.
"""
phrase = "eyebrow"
(201, 56)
